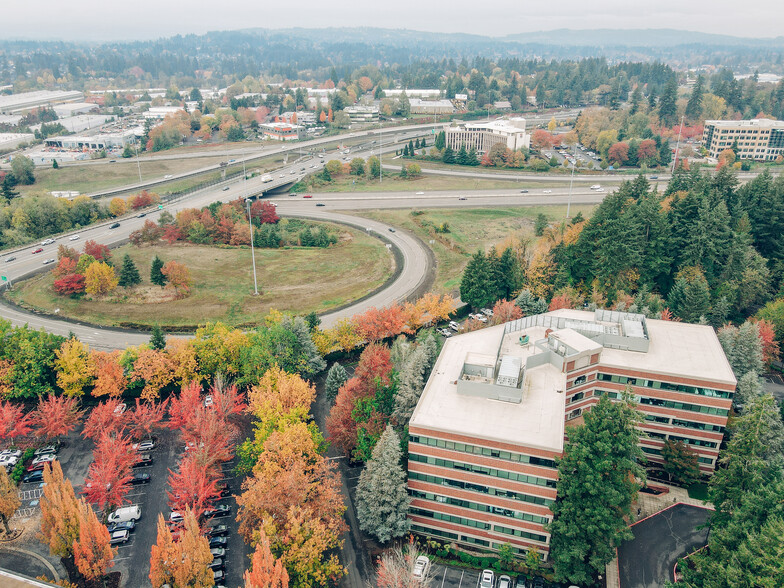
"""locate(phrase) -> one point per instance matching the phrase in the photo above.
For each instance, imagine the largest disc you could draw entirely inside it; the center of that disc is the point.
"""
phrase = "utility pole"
(571, 182)
(138, 165)
(252, 251)
(677, 147)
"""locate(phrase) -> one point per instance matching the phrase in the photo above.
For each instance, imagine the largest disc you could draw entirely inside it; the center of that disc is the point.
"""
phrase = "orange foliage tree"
(192, 487)
(93, 554)
(145, 418)
(110, 377)
(13, 422)
(105, 419)
(56, 416)
(184, 562)
(59, 512)
(155, 369)
(266, 571)
(505, 311)
(109, 475)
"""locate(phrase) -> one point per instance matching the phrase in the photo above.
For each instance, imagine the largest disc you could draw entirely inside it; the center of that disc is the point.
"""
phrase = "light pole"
(677, 146)
(252, 251)
(569, 201)
(138, 165)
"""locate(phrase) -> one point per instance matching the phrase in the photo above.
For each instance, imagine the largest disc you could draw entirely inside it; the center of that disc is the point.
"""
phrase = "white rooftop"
(763, 123)
(537, 421)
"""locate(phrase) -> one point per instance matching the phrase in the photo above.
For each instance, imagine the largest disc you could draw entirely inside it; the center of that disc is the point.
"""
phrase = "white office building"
(481, 136)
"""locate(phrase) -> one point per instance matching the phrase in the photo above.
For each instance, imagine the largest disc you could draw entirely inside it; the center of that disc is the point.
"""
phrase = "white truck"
(126, 513)
(266, 178)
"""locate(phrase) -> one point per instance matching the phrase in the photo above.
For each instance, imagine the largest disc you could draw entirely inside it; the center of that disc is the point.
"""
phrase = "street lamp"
(252, 251)
(571, 182)
(139, 165)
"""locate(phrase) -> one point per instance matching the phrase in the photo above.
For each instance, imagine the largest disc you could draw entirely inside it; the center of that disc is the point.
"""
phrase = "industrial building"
(431, 106)
(96, 142)
(483, 135)
(759, 139)
(492, 418)
(426, 94)
(27, 101)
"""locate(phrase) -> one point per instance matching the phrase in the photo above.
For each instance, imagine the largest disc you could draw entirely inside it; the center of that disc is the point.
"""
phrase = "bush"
(19, 468)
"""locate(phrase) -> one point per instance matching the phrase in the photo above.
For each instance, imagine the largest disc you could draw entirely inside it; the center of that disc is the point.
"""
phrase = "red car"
(39, 250)
(307, 196)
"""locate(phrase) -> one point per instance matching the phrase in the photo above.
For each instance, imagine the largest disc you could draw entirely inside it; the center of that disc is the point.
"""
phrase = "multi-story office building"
(491, 420)
(481, 136)
(760, 139)
(362, 114)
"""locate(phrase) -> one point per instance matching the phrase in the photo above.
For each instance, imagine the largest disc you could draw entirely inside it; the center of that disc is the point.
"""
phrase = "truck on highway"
(266, 178)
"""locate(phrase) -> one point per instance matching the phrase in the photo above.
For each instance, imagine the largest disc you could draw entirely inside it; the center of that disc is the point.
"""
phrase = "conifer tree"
(449, 155)
(336, 377)
(412, 378)
(462, 156)
(529, 304)
(129, 274)
(157, 338)
(743, 348)
(382, 500)
(156, 275)
(597, 484)
(680, 462)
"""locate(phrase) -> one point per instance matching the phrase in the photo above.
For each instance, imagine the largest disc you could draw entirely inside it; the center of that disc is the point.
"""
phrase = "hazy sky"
(144, 19)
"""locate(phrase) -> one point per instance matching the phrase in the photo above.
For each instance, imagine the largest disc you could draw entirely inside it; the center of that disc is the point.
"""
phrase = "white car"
(487, 312)
(73, 238)
(8, 461)
(6, 453)
(208, 402)
(420, 193)
(504, 581)
(455, 327)
(480, 317)
(421, 566)
(144, 446)
(121, 408)
(547, 192)
(487, 580)
(48, 458)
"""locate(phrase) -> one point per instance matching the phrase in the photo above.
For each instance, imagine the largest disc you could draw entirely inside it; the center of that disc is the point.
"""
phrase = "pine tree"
(411, 150)
(668, 109)
(129, 274)
(749, 388)
(743, 348)
(680, 462)
(694, 105)
(449, 155)
(412, 377)
(462, 156)
(596, 487)
(636, 99)
(529, 304)
(382, 500)
(440, 141)
(8, 191)
(157, 339)
(55, 165)
(156, 275)
(473, 158)
(336, 377)
(474, 285)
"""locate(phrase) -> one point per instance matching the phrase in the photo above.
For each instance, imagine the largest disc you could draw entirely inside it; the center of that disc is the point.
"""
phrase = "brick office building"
(491, 419)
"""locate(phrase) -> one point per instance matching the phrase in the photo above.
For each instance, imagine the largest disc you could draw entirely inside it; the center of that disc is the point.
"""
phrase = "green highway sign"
(5, 279)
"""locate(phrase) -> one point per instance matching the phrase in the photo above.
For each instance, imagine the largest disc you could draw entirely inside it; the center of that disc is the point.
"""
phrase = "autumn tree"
(182, 563)
(505, 311)
(145, 418)
(266, 571)
(192, 487)
(56, 416)
(98, 251)
(117, 207)
(9, 499)
(396, 567)
(375, 324)
(59, 512)
(178, 276)
(110, 377)
(100, 279)
(75, 367)
(13, 422)
(108, 478)
(382, 499)
(105, 419)
(70, 284)
(93, 554)
(154, 368)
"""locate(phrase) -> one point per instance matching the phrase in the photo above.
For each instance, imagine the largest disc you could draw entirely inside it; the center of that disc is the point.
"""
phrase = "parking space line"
(461, 579)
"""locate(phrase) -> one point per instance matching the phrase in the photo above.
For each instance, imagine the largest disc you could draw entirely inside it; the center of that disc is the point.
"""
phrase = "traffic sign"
(5, 279)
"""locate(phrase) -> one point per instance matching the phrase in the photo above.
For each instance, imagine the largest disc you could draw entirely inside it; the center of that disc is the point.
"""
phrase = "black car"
(144, 460)
(223, 490)
(218, 542)
(142, 215)
(114, 225)
(221, 510)
(121, 526)
(218, 531)
(523, 191)
(12, 258)
(140, 478)
(37, 476)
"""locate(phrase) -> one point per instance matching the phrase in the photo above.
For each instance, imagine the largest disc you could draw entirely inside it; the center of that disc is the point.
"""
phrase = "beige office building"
(481, 136)
(759, 139)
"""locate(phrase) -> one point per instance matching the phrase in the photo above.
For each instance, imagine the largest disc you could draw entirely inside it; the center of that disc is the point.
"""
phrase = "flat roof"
(537, 421)
(676, 349)
(751, 123)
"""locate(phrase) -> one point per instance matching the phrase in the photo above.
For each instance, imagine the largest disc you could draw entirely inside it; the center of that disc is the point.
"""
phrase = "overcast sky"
(145, 19)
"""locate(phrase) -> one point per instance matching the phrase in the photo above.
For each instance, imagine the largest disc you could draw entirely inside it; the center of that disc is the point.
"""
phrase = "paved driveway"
(659, 541)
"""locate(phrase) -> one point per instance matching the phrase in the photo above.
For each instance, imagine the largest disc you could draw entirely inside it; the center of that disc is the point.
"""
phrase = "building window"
(512, 495)
(478, 450)
(504, 512)
(477, 469)
(519, 533)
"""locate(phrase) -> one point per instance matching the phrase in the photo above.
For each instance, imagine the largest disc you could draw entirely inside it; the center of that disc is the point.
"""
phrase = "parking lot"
(133, 557)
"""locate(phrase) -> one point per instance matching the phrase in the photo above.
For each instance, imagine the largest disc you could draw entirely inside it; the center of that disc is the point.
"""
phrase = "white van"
(125, 514)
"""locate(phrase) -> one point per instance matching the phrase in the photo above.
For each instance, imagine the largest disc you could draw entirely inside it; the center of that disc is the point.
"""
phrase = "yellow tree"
(183, 360)
(179, 277)
(155, 368)
(266, 571)
(9, 499)
(117, 207)
(75, 367)
(184, 563)
(100, 279)
(552, 125)
(93, 554)
(218, 349)
(110, 377)
(59, 512)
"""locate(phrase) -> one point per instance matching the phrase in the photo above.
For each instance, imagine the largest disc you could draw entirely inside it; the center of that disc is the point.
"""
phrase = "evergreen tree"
(449, 155)
(462, 156)
(680, 462)
(668, 110)
(597, 484)
(157, 339)
(412, 377)
(8, 192)
(540, 224)
(473, 158)
(749, 388)
(411, 150)
(476, 287)
(313, 320)
(694, 106)
(689, 298)
(55, 165)
(529, 304)
(382, 499)
(635, 100)
(310, 361)
(440, 141)
(129, 273)
(743, 348)
(336, 377)
(156, 276)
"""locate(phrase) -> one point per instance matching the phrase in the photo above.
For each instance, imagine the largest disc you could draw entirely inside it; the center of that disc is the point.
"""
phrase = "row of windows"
(657, 385)
(686, 424)
(505, 512)
(697, 442)
(486, 451)
(668, 403)
(440, 516)
(477, 469)
(653, 451)
(519, 496)
(439, 532)
(519, 533)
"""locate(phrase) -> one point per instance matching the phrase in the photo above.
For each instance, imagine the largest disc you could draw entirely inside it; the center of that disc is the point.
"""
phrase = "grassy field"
(294, 279)
(470, 229)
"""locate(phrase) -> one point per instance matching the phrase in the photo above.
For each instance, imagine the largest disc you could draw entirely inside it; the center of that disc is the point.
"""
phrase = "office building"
(282, 131)
(362, 114)
(492, 418)
(760, 139)
(483, 135)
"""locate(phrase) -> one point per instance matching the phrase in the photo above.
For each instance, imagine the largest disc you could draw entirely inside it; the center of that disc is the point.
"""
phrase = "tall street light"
(252, 251)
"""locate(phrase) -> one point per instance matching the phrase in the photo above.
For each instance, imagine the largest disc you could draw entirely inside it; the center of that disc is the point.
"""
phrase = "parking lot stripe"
(461, 579)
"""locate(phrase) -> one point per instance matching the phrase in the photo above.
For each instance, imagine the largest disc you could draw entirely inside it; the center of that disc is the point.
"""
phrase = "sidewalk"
(646, 506)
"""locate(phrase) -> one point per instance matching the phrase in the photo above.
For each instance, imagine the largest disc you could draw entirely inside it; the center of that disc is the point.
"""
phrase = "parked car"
(487, 312)
(119, 537)
(218, 552)
(421, 566)
(33, 477)
(176, 517)
(478, 317)
(49, 457)
(126, 513)
(504, 581)
(218, 575)
(218, 542)
(9, 461)
(217, 564)
(121, 408)
(223, 489)
(218, 531)
(142, 461)
(140, 478)
(47, 450)
(114, 225)
(455, 327)
(521, 582)
(144, 446)
(208, 402)
(221, 510)
(121, 526)
(487, 580)
(6, 453)
(445, 333)
(37, 467)
(538, 582)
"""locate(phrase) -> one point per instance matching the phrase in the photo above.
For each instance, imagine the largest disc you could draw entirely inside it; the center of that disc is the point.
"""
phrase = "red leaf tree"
(227, 400)
(13, 422)
(106, 418)
(184, 406)
(210, 438)
(192, 487)
(264, 212)
(505, 311)
(64, 267)
(56, 416)
(97, 250)
(618, 154)
(109, 475)
(767, 336)
(375, 324)
(145, 418)
(70, 284)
